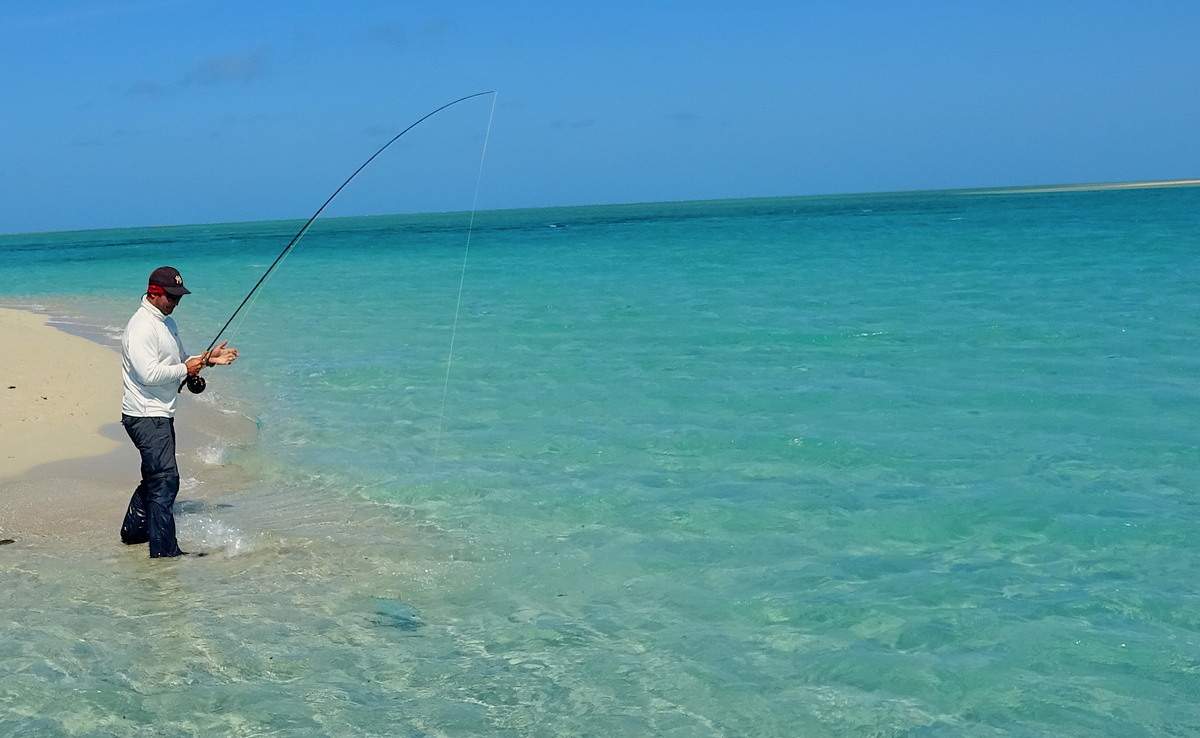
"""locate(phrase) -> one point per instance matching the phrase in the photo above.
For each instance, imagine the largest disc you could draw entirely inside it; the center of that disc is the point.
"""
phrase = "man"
(153, 366)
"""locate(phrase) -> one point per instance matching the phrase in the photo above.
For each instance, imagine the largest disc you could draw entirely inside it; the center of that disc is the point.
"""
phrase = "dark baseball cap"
(170, 280)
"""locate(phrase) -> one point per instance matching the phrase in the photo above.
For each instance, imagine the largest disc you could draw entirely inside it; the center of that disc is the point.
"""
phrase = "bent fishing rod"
(195, 383)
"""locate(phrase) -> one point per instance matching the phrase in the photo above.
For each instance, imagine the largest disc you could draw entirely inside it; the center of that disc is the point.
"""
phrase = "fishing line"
(196, 383)
(462, 279)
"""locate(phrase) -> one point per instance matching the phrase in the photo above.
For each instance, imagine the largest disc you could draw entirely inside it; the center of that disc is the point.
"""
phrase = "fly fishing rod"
(195, 383)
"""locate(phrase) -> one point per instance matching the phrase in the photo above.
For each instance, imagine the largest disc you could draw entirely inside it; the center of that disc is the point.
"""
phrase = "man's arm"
(145, 364)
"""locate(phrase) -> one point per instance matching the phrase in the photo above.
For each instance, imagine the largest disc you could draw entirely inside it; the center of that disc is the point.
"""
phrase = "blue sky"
(152, 112)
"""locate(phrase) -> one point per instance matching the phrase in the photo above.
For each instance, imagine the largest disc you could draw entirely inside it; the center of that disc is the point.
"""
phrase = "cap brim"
(177, 290)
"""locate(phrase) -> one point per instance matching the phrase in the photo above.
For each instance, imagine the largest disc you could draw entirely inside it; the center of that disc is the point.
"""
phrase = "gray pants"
(149, 517)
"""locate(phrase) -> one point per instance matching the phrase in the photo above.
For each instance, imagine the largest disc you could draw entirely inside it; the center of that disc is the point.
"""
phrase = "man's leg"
(155, 441)
(133, 529)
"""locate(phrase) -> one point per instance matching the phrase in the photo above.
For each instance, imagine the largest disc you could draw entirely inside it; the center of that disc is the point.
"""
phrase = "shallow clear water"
(915, 464)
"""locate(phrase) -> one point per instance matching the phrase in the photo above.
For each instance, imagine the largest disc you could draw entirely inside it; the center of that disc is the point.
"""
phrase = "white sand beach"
(57, 392)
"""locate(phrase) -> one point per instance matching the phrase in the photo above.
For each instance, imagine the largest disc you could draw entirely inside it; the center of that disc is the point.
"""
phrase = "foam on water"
(205, 533)
(215, 454)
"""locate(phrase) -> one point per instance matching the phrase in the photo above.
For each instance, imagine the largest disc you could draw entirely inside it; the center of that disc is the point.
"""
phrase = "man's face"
(164, 303)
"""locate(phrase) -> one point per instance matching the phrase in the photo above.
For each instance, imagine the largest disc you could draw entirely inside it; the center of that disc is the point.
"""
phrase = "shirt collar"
(147, 305)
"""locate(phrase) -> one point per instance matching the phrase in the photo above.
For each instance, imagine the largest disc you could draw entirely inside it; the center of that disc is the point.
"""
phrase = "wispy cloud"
(579, 123)
(213, 72)
(87, 142)
(101, 139)
(148, 89)
(389, 35)
(227, 69)
(398, 37)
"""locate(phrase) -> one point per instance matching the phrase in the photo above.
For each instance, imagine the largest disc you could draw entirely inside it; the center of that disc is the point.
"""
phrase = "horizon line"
(1009, 189)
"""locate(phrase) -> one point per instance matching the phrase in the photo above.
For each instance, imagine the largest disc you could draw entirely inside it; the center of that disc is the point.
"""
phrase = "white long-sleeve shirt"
(152, 364)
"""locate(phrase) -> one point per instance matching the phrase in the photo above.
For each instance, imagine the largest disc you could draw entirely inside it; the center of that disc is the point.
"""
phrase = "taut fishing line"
(462, 281)
(195, 383)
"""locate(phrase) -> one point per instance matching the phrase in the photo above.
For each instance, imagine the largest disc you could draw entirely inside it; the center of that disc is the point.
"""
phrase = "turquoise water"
(917, 464)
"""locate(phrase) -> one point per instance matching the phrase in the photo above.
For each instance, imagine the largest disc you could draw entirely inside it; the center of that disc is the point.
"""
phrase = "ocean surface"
(916, 464)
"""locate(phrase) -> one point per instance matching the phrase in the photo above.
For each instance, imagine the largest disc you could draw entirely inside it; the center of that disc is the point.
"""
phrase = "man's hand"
(223, 354)
(194, 365)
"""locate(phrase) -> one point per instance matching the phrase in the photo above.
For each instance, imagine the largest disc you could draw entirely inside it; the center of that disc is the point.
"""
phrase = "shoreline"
(67, 468)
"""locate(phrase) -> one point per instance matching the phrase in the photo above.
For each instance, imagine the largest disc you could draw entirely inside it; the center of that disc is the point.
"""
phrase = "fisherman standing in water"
(153, 367)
